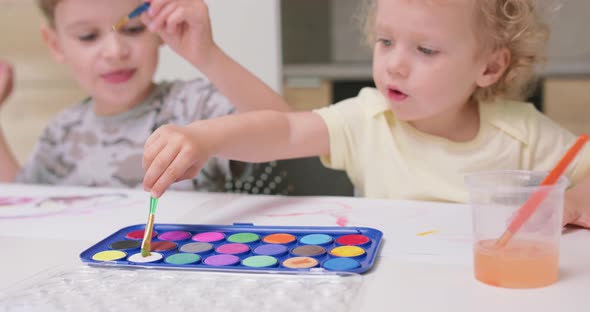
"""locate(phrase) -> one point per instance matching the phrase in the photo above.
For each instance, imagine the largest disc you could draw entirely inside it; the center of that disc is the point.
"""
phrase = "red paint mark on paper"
(342, 221)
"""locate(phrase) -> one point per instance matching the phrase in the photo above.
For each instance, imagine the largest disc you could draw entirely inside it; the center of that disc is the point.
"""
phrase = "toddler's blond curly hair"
(48, 9)
(513, 24)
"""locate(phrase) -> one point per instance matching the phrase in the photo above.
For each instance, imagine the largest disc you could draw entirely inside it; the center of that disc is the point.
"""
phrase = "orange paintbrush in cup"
(531, 204)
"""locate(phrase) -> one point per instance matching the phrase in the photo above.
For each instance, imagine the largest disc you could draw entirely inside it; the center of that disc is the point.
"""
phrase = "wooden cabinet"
(307, 94)
(567, 101)
(42, 87)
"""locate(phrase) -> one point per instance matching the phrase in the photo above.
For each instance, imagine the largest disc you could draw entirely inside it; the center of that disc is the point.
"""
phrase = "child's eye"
(427, 51)
(88, 37)
(385, 42)
(134, 30)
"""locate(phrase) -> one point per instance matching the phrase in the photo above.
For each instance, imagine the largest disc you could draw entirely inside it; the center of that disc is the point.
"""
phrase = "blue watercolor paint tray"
(241, 247)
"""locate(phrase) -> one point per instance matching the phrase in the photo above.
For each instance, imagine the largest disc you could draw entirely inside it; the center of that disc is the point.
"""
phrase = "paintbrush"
(146, 244)
(135, 13)
(537, 197)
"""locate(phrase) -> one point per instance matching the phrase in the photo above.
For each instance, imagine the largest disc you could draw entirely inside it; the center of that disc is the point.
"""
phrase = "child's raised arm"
(8, 164)
(185, 26)
(175, 153)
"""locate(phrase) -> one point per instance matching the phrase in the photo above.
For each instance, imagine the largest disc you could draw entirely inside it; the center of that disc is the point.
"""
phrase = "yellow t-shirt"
(388, 158)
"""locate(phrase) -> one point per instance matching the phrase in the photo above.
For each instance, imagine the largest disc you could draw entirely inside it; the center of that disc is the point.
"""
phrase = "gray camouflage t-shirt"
(81, 148)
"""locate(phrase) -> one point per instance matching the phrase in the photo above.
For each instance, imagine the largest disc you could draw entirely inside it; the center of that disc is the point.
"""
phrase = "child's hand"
(579, 215)
(577, 204)
(6, 80)
(184, 25)
(172, 153)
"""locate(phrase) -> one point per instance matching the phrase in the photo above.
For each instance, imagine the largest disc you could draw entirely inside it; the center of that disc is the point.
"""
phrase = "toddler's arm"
(185, 26)
(175, 153)
(8, 164)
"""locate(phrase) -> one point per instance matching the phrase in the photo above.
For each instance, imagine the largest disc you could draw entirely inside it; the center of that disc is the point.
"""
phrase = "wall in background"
(248, 30)
(306, 31)
(339, 20)
(570, 39)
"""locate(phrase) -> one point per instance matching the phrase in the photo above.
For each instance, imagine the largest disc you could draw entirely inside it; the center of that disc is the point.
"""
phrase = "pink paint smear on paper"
(14, 201)
(65, 205)
(339, 214)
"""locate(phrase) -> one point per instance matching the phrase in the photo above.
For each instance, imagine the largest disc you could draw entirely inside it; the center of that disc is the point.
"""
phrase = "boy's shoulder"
(194, 87)
(191, 100)
(73, 113)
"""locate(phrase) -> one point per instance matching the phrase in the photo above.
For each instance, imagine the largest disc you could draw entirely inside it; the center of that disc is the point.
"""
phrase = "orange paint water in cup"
(530, 259)
(520, 264)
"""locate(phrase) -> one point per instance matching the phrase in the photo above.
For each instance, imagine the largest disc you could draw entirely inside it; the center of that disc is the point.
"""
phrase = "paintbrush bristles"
(121, 23)
(147, 237)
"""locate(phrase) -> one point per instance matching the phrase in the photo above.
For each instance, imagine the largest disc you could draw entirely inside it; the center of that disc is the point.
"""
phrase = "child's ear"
(50, 38)
(496, 66)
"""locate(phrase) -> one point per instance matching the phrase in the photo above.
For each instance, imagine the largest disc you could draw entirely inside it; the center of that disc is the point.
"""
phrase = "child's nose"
(398, 63)
(115, 47)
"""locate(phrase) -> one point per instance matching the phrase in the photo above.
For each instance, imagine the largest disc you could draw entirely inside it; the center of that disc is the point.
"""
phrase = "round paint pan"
(209, 237)
(139, 259)
(163, 246)
(138, 234)
(308, 251)
(300, 263)
(183, 259)
(233, 249)
(279, 238)
(348, 251)
(109, 255)
(260, 262)
(197, 248)
(341, 264)
(125, 245)
(174, 236)
(271, 250)
(353, 240)
(316, 239)
(243, 238)
(222, 260)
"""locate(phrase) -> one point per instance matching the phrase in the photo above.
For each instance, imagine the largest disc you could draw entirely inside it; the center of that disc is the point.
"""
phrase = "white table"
(413, 273)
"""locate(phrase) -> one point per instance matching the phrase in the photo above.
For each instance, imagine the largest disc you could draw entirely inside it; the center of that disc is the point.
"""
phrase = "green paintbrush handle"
(153, 205)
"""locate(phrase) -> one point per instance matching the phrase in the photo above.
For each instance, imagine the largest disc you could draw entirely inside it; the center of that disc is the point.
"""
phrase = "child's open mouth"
(396, 95)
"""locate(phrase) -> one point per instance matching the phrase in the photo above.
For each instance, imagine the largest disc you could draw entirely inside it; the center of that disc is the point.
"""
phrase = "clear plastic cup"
(530, 259)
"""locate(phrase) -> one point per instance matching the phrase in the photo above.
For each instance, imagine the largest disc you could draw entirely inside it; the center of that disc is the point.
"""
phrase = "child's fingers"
(569, 216)
(175, 171)
(160, 165)
(190, 172)
(145, 19)
(156, 6)
(151, 148)
(160, 20)
(176, 18)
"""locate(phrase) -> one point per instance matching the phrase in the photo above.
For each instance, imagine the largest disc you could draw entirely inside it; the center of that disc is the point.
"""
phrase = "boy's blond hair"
(516, 25)
(48, 9)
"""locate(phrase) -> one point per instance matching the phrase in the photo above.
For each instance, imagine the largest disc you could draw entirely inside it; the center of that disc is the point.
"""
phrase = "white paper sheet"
(413, 231)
